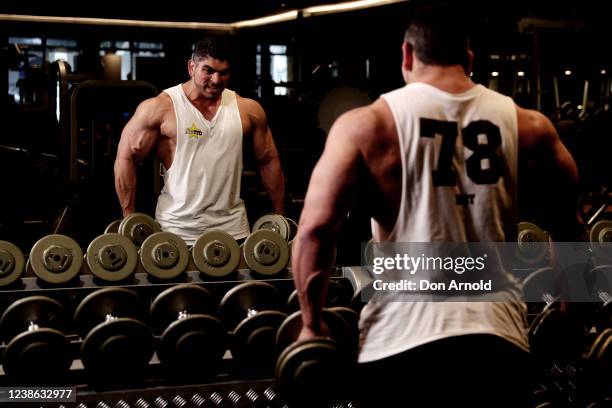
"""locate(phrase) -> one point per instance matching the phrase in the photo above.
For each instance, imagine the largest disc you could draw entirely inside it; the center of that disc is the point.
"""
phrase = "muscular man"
(197, 129)
(437, 353)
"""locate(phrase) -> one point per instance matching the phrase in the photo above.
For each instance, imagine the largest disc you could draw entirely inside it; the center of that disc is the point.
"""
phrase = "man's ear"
(407, 56)
(191, 67)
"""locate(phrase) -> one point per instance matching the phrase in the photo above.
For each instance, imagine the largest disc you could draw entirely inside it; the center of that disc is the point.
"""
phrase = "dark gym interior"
(73, 76)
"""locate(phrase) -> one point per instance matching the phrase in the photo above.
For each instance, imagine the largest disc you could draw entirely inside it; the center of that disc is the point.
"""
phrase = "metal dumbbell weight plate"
(273, 222)
(532, 243)
(266, 252)
(112, 257)
(336, 296)
(117, 345)
(36, 350)
(601, 240)
(138, 227)
(293, 229)
(12, 263)
(56, 258)
(216, 254)
(164, 255)
(113, 227)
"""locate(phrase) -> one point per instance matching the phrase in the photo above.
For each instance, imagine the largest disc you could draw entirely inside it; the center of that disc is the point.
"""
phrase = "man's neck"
(451, 79)
(197, 98)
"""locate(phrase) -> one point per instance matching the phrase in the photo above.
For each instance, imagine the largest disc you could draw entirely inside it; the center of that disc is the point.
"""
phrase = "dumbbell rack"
(157, 391)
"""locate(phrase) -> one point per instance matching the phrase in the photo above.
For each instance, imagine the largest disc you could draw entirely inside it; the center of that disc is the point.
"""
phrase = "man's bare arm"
(267, 157)
(553, 164)
(330, 194)
(139, 137)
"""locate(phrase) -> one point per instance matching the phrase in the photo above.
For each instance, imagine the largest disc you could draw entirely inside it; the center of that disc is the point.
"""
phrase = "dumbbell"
(532, 244)
(322, 364)
(283, 226)
(556, 337)
(600, 236)
(216, 254)
(37, 352)
(192, 340)
(336, 296)
(12, 263)
(602, 276)
(113, 227)
(164, 255)
(112, 257)
(117, 345)
(598, 363)
(276, 223)
(137, 227)
(55, 259)
(251, 311)
(361, 296)
(266, 252)
(540, 289)
(350, 317)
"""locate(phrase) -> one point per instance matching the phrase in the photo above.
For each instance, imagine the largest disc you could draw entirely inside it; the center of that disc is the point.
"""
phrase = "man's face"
(210, 76)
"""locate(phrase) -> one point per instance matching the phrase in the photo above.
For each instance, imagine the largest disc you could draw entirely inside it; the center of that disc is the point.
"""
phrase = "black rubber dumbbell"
(556, 337)
(37, 351)
(251, 311)
(193, 341)
(324, 364)
(117, 346)
(597, 365)
(336, 296)
(601, 276)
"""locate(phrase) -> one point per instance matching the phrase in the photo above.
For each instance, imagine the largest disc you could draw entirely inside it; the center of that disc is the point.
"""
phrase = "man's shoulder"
(366, 123)
(161, 101)
(251, 108)
(534, 128)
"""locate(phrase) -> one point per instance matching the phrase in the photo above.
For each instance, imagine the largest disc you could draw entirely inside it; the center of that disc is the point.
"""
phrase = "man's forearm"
(125, 185)
(312, 262)
(274, 183)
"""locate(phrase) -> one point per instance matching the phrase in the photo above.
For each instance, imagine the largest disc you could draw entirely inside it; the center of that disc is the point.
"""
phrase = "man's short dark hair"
(213, 48)
(439, 36)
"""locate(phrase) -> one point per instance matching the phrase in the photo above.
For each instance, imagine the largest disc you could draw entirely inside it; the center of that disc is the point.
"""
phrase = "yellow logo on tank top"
(193, 132)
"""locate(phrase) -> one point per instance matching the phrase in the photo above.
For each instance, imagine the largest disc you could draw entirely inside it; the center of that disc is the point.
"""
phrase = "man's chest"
(194, 126)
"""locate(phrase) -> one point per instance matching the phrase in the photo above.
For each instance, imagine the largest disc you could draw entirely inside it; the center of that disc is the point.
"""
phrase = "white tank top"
(459, 167)
(202, 187)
